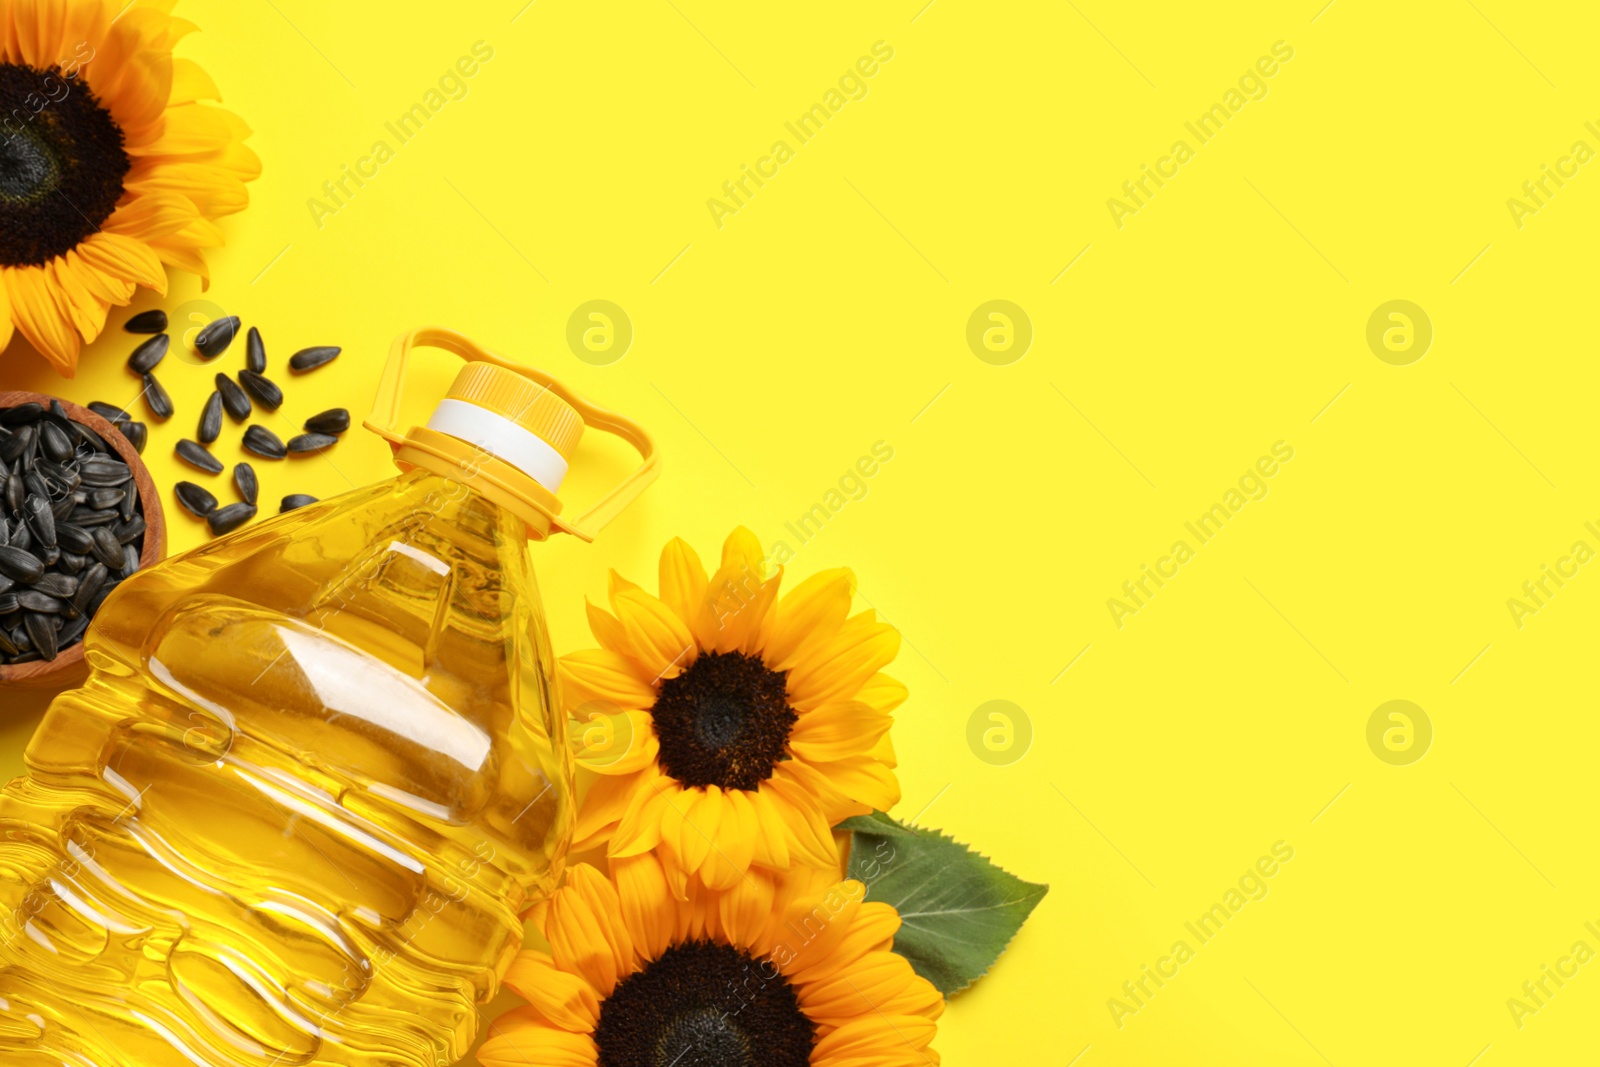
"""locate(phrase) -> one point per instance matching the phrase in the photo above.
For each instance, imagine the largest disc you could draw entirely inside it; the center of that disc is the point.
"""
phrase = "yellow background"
(769, 354)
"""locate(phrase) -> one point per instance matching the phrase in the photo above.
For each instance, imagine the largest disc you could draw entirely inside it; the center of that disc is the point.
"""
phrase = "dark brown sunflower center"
(61, 164)
(704, 1004)
(723, 722)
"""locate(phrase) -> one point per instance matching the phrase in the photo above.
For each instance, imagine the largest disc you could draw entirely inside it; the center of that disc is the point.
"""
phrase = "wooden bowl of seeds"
(79, 512)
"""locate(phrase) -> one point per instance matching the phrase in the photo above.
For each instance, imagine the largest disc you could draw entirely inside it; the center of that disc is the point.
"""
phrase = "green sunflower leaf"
(958, 911)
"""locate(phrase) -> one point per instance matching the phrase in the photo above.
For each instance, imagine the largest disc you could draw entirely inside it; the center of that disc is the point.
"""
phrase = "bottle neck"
(482, 473)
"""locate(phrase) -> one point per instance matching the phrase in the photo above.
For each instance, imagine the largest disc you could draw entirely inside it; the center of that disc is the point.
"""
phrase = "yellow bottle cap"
(521, 400)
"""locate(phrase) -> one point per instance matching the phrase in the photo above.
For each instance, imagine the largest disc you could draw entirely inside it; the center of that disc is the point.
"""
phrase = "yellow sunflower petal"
(86, 311)
(896, 1038)
(839, 667)
(657, 637)
(39, 317)
(736, 603)
(683, 579)
(810, 612)
(838, 731)
(606, 629)
(564, 999)
(639, 830)
(595, 674)
(191, 83)
(602, 809)
(519, 1038)
(810, 839)
(865, 780)
(119, 256)
(745, 908)
(618, 743)
(882, 693)
(648, 908)
(6, 329)
(586, 934)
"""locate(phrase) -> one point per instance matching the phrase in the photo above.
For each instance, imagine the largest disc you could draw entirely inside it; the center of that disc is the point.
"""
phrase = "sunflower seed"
(100, 472)
(105, 498)
(42, 521)
(16, 491)
(311, 442)
(71, 630)
(42, 633)
(309, 359)
(263, 442)
(196, 500)
(20, 564)
(157, 399)
(33, 600)
(107, 549)
(130, 531)
(197, 456)
(130, 560)
(147, 355)
(17, 445)
(214, 340)
(266, 392)
(54, 442)
(89, 585)
(255, 352)
(152, 321)
(138, 435)
(234, 400)
(126, 508)
(107, 411)
(244, 479)
(334, 421)
(73, 563)
(55, 584)
(211, 419)
(295, 500)
(87, 518)
(8, 604)
(22, 414)
(74, 538)
(231, 517)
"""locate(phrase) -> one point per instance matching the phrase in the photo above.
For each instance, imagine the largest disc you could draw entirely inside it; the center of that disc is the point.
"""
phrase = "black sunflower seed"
(87, 518)
(308, 359)
(73, 538)
(130, 560)
(311, 442)
(262, 388)
(195, 499)
(71, 630)
(22, 414)
(334, 421)
(197, 456)
(93, 580)
(137, 433)
(107, 549)
(211, 419)
(101, 472)
(8, 604)
(263, 442)
(214, 340)
(152, 321)
(16, 492)
(42, 521)
(255, 352)
(61, 586)
(156, 398)
(42, 633)
(295, 500)
(73, 563)
(146, 356)
(54, 442)
(33, 600)
(231, 517)
(130, 501)
(104, 498)
(106, 411)
(22, 565)
(244, 479)
(130, 531)
(233, 398)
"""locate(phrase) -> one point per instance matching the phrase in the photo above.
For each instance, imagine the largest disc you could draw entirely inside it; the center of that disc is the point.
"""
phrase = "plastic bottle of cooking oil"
(316, 771)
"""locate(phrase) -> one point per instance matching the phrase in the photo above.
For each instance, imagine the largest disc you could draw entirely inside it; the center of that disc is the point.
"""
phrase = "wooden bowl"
(69, 667)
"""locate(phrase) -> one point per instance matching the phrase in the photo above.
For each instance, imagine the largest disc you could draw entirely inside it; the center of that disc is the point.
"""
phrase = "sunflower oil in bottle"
(315, 774)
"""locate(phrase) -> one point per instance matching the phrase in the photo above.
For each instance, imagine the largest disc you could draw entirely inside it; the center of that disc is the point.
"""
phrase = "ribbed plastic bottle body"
(291, 818)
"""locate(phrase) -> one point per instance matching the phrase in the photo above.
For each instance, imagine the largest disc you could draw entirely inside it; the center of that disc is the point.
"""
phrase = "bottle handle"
(386, 413)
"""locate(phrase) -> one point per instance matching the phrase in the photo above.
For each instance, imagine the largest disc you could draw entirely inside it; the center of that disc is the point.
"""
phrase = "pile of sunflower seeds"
(71, 528)
(238, 399)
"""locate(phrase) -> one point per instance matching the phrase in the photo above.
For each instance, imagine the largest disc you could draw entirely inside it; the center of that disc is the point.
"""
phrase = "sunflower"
(729, 728)
(786, 974)
(110, 167)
